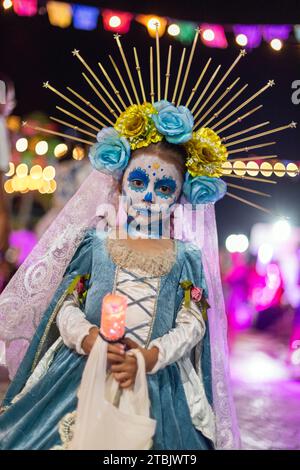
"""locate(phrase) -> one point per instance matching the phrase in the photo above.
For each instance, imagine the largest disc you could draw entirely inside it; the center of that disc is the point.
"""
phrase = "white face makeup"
(151, 187)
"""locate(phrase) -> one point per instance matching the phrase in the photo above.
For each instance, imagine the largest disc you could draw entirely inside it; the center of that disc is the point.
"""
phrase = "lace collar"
(150, 264)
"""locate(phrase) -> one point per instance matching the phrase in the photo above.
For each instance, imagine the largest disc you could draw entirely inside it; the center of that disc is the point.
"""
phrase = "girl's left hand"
(150, 355)
(125, 371)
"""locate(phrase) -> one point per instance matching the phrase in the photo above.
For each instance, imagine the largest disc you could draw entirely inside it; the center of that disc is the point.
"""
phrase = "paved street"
(267, 398)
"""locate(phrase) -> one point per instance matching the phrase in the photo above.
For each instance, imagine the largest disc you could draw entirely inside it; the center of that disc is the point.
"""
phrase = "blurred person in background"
(7, 104)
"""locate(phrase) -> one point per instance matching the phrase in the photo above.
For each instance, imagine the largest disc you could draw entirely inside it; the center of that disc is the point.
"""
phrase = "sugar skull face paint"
(151, 186)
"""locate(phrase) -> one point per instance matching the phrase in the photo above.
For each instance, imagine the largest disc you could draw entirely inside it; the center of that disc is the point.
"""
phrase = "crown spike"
(64, 97)
(151, 76)
(117, 38)
(248, 190)
(168, 72)
(157, 60)
(111, 110)
(187, 71)
(246, 149)
(260, 134)
(251, 98)
(121, 79)
(250, 178)
(255, 157)
(194, 89)
(240, 118)
(90, 70)
(233, 98)
(138, 68)
(249, 203)
(87, 103)
(205, 90)
(115, 90)
(244, 131)
(76, 128)
(229, 70)
(228, 89)
(68, 113)
(59, 134)
(179, 75)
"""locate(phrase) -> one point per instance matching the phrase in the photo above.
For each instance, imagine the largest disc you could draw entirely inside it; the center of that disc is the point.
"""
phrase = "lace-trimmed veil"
(28, 294)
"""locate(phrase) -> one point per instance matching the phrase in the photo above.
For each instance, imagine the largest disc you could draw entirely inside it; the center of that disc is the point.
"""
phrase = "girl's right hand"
(115, 352)
(89, 340)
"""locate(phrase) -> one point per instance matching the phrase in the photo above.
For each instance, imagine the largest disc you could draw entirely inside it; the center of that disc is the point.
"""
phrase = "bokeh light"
(78, 153)
(36, 172)
(60, 150)
(22, 170)
(208, 35)
(174, 29)
(22, 144)
(114, 21)
(7, 4)
(11, 169)
(49, 173)
(41, 147)
(281, 230)
(276, 44)
(242, 40)
(265, 253)
(237, 243)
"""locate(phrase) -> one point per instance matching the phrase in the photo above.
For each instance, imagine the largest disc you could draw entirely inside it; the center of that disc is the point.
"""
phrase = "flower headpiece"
(198, 125)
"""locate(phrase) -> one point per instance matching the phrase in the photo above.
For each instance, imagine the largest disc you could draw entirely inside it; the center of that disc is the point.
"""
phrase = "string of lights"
(84, 17)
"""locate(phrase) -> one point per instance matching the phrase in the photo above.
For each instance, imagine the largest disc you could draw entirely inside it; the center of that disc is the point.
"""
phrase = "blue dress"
(32, 421)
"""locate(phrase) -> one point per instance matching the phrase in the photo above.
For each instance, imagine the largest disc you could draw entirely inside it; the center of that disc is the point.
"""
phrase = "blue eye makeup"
(165, 187)
(138, 180)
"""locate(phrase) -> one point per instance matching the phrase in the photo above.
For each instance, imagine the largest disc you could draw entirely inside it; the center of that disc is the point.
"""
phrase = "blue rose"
(203, 189)
(175, 123)
(111, 153)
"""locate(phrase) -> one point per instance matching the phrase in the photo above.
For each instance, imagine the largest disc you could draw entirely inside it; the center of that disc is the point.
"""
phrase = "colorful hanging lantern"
(252, 33)
(213, 35)
(60, 14)
(25, 7)
(276, 31)
(85, 17)
(297, 32)
(116, 21)
(150, 21)
(187, 32)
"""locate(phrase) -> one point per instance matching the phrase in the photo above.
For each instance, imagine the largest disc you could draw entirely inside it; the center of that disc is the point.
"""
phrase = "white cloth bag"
(99, 424)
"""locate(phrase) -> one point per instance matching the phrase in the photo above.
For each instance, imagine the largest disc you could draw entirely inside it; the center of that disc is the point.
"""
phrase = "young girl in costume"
(158, 158)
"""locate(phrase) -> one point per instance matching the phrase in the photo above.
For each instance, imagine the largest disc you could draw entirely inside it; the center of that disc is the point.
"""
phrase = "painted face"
(151, 187)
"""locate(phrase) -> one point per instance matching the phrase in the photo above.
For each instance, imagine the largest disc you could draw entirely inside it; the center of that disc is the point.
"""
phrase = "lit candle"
(113, 317)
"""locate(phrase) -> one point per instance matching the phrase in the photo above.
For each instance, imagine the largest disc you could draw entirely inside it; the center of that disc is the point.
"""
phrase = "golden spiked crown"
(202, 113)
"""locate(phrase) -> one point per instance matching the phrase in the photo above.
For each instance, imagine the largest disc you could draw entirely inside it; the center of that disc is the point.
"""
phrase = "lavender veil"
(29, 292)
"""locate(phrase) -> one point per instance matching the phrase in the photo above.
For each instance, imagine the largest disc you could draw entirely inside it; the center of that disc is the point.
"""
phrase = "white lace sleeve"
(72, 324)
(189, 331)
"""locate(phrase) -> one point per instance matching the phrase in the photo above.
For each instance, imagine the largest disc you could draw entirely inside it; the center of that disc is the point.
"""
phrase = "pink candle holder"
(112, 327)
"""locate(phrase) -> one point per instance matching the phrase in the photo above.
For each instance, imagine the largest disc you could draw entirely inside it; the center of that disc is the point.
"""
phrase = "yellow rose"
(206, 153)
(136, 125)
